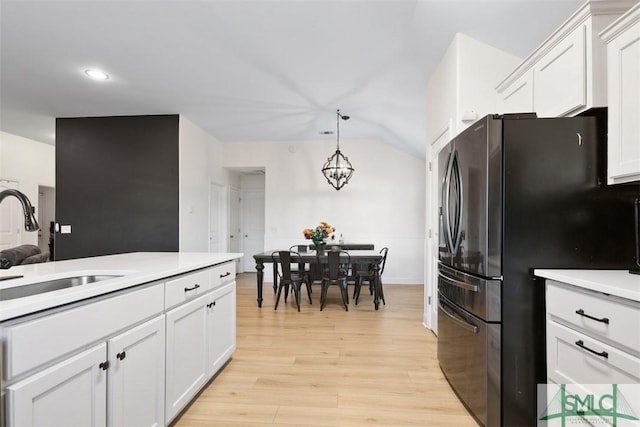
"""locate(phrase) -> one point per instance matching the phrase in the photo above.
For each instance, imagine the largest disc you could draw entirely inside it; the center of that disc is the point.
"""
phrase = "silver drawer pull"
(196, 286)
(468, 326)
(582, 313)
(459, 284)
(604, 354)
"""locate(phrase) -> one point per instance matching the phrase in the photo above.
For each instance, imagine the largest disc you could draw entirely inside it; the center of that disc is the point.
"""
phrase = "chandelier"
(338, 169)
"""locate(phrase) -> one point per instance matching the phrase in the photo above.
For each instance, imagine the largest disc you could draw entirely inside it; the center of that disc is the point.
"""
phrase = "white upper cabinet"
(623, 67)
(518, 96)
(561, 77)
(567, 73)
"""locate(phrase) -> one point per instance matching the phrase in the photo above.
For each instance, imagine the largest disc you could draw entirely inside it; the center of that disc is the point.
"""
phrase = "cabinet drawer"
(186, 288)
(580, 308)
(223, 274)
(569, 363)
(67, 331)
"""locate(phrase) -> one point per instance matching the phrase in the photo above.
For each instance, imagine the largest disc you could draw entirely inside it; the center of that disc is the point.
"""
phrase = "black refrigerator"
(519, 193)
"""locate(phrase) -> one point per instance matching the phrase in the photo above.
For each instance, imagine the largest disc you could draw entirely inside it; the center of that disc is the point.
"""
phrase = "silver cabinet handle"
(446, 187)
(466, 325)
(458, 226)
(459, 284)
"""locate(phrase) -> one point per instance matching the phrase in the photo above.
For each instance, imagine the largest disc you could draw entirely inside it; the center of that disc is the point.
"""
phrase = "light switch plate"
(65, 229)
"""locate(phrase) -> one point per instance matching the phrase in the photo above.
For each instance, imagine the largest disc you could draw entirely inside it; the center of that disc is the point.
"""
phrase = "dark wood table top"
(357, 256)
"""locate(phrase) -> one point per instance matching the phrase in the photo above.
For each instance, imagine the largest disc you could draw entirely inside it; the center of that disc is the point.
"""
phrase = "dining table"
(358, 259)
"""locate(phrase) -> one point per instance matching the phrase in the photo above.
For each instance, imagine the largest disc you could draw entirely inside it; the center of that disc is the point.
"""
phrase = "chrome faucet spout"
(30, 223)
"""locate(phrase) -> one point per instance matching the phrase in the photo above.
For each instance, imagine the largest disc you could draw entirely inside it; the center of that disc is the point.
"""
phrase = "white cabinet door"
(186, 353)
(136, 376)
(222, 326)
(518, 96)
(71, 393)
(623, 64)
(560, 77)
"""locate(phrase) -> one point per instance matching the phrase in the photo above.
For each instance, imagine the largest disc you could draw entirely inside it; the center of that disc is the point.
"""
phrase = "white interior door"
(433, 218)
(235, 231)
(10, 211)
(46, 214)
(217, 218)
(253, 226)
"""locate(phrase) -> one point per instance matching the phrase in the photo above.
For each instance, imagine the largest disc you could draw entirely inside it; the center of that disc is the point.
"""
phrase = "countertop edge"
(619, 283)
(154, 267)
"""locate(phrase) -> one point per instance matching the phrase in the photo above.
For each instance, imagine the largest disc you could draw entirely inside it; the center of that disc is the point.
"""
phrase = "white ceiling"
(249, 70)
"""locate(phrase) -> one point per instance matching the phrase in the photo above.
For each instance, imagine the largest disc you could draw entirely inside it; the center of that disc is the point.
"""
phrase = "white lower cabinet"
(222, 326)
(201, 337)
(136, 376)
(71, 393)
(186, 353)
(117, 383)
(592, 337)
(133, 359)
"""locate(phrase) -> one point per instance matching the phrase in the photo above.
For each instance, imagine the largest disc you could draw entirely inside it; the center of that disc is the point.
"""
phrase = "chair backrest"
(298, 248)
(335, 268)
(383, 251)
(282, 263)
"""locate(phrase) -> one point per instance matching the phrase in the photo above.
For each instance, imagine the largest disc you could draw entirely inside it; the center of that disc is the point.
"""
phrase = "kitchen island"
(133, 348)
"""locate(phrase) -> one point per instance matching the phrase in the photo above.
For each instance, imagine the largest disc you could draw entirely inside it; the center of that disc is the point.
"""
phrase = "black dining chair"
(282, 263)
(334, 273)
(368, 276)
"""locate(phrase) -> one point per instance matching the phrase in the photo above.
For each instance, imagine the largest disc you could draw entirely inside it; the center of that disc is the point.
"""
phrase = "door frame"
(222, 213)
(436, 144)
(14, 208)
(243, 212)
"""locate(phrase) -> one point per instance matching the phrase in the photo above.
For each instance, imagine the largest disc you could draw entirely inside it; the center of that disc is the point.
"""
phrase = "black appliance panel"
(474, 294)
(470, 200)
(469, 354)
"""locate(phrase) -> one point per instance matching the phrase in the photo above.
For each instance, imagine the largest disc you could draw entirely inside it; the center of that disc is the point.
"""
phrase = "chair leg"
(286, 292)
(323, 294)
(309, 291)
(296, 295)
(278, 297)
(356, 291)
(345, 295)
(382, 294)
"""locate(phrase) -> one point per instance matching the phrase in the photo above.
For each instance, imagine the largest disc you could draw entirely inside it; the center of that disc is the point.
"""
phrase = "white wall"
(383, 203)
(199, 166)
(31, 163)
(465, 80)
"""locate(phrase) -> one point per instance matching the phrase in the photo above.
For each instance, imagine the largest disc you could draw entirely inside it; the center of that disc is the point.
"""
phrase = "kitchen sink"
(52, 285)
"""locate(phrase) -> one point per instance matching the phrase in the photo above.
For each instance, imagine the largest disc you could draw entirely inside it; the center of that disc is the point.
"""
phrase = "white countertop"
(613, 282)
(135, 269)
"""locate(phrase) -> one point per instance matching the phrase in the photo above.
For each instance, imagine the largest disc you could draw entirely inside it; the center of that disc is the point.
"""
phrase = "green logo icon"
(604, 409)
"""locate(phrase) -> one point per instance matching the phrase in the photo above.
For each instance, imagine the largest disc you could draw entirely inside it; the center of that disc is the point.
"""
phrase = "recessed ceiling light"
(96, 74)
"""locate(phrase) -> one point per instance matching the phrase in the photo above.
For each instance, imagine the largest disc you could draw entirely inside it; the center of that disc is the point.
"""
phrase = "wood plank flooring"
(329, 368)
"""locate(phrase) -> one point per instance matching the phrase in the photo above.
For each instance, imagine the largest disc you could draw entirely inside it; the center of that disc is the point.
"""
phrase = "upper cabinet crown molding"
(622, 24)
(571, 58)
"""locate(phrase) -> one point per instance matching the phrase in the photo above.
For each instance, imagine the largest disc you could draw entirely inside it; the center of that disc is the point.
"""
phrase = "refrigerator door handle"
(458, 225)
(446, 188)
(461, 322)
(458, 283)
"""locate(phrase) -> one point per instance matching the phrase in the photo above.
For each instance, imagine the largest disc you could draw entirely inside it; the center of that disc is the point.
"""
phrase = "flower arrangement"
(319, 234)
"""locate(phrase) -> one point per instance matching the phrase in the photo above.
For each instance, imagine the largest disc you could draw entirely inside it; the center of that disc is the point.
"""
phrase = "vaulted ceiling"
(248, 70)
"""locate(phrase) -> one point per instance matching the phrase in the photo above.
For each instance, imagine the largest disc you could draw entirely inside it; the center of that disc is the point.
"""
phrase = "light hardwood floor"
(330, 367)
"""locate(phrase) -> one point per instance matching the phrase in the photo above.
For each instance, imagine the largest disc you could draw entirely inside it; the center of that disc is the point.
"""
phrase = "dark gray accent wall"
(117, 185)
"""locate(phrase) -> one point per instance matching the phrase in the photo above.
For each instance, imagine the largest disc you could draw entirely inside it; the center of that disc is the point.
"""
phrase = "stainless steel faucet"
(30, 223)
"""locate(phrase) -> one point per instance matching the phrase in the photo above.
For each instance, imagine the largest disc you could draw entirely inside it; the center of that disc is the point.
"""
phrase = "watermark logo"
(615, 405)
